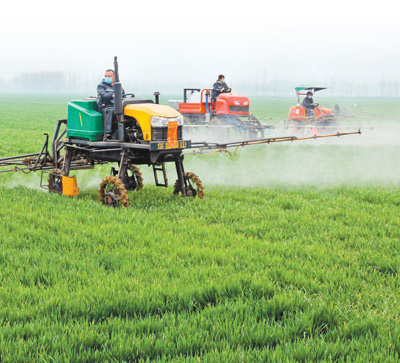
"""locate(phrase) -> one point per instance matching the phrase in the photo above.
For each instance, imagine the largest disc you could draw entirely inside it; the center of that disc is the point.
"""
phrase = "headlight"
(163, 121)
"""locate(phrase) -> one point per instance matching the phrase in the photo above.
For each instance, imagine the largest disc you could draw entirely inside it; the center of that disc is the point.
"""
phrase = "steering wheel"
(128, 94)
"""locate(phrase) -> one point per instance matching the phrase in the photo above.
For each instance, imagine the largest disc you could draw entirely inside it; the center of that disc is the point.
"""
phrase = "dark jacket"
(105, 92)
(307, 102)
(217, 87)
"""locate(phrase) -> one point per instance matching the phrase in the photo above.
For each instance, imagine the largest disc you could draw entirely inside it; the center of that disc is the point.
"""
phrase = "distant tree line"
(59, 82)
(48, 82)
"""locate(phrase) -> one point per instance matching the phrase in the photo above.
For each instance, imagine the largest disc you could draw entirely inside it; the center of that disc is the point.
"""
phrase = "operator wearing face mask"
(220, 87)
(308, 104)
(105, 101)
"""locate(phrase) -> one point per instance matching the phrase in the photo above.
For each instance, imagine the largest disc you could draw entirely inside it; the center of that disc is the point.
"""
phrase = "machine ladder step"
(158, 168)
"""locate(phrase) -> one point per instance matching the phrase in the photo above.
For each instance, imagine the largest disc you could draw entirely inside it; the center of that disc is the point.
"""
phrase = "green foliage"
(245, 275)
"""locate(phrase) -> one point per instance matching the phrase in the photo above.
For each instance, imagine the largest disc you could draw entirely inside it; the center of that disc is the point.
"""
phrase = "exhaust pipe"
(119, 112)
(118, 109)
(157, 97)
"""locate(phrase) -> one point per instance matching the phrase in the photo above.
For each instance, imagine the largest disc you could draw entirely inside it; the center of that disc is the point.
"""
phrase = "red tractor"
(320, 118)
(230, 110)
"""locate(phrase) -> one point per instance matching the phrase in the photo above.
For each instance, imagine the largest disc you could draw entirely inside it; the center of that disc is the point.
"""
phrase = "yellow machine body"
(143, 113)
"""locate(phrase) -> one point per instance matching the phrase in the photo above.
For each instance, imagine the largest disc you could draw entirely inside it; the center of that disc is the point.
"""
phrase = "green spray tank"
(84, 120)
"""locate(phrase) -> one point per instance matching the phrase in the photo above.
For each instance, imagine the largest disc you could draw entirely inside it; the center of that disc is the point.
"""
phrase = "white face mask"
(308, 96)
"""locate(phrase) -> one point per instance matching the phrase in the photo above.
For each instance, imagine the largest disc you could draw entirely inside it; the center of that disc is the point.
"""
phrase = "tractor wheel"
(253, 133)
(215, 121)
(191, 192)
(134, 178)
(112, 192)
(55, 181)
(188, 120)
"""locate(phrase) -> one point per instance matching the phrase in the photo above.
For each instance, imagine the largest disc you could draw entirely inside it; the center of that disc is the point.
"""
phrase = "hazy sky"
(164, 41)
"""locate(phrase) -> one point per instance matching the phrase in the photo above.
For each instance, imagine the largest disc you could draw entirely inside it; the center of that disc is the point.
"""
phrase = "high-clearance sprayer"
(147, 133)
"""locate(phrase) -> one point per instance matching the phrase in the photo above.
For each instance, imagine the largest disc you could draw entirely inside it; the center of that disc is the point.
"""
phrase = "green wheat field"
(292, 256)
